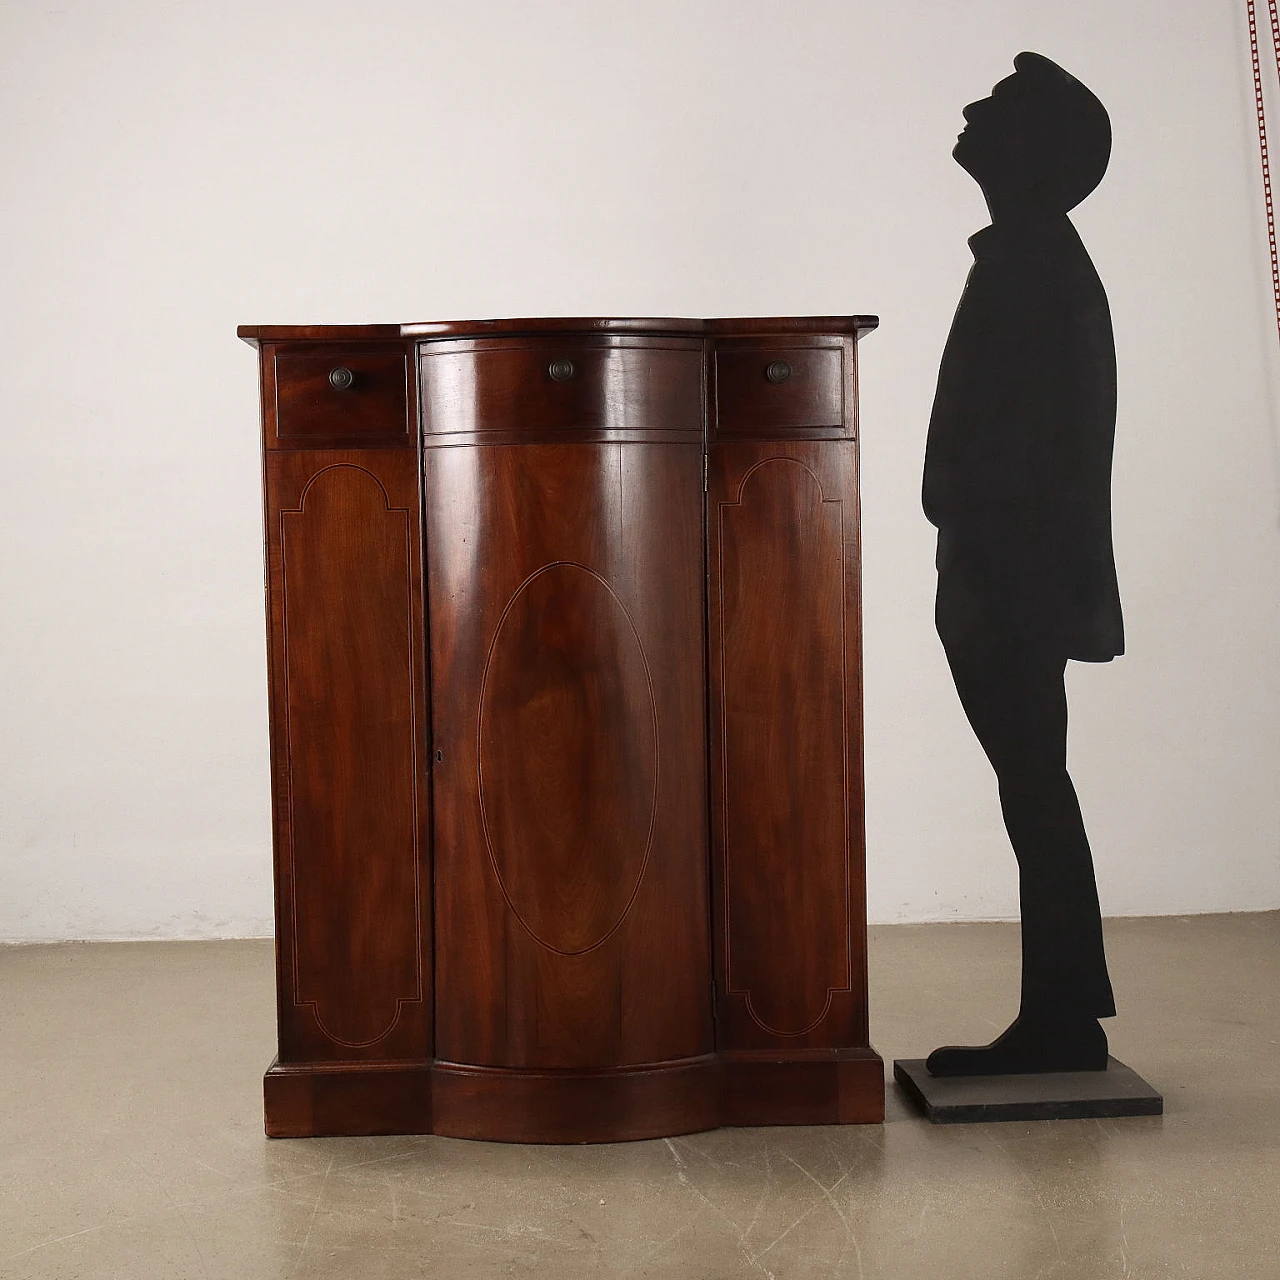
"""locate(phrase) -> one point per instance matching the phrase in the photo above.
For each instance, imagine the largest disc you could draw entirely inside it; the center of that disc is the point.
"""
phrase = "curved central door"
(566, 646)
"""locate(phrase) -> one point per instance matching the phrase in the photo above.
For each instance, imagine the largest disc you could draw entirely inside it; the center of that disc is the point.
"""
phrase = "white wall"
(172, 169)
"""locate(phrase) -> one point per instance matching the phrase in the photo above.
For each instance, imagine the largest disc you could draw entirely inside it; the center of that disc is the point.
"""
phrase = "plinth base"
(1047, 1095)
(608, 1104)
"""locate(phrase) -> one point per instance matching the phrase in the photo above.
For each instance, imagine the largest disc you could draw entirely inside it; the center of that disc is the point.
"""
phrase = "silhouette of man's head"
(1040, 143)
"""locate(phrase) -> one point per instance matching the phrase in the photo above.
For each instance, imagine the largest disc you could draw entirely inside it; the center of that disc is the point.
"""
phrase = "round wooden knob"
(778, 371)
(341, 378)
(560, 370)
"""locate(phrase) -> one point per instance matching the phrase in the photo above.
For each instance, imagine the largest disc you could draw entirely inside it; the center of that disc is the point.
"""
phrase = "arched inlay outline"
(656, 760)
(733, 989)
(405, 521)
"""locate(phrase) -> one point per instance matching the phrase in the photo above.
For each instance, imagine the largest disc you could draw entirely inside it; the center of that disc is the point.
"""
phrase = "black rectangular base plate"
(1047, 1095)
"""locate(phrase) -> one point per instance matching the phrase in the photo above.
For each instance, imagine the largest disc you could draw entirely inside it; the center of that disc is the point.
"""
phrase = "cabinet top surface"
(733, 326)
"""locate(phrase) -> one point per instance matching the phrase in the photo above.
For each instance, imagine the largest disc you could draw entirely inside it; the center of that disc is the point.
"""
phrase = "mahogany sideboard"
(566, 727)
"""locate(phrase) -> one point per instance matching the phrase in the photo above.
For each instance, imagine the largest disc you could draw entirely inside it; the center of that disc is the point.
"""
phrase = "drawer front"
(764, 387)
(340, 397)
(519, 390)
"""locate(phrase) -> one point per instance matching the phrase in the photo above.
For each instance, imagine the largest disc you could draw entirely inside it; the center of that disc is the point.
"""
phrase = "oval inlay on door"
(568, 750)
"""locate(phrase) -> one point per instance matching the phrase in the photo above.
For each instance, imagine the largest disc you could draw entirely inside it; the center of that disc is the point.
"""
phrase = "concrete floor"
(131, 1141)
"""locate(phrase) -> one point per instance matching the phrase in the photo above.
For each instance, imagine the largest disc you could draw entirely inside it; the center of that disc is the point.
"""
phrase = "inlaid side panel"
(566, 602)
(786, 745)
(348, 721)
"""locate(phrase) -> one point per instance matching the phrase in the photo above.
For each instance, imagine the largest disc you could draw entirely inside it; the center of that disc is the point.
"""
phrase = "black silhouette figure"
(1017, 479)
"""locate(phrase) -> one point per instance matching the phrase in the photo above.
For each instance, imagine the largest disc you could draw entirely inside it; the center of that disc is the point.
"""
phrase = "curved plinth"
(614, 1104)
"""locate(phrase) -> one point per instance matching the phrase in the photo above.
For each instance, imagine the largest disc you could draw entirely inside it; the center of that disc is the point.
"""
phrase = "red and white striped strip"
(1262, 134)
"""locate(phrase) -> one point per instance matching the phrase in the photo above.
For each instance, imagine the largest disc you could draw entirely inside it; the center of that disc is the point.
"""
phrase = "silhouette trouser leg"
(1015, 700)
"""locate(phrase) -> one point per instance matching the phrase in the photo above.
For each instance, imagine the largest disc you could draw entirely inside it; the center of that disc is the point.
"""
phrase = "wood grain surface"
(349, 700)
(570, 783)
(785, 647)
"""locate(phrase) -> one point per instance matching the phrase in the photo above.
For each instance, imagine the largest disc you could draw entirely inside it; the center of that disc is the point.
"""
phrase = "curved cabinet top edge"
(731, 326)
(255, 333)
(769, 326)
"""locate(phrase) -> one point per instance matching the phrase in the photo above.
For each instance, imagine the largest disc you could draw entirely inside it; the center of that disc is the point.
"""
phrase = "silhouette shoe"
(1029, 1045)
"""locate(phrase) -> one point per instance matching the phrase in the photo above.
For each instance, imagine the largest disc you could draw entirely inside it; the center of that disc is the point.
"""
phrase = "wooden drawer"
(343, 396)
(765, 387)
(576, 388)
